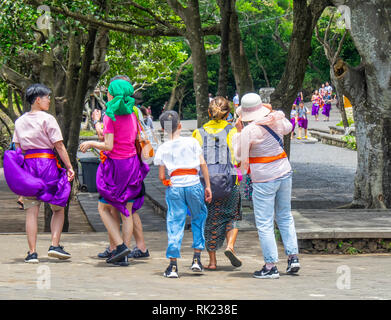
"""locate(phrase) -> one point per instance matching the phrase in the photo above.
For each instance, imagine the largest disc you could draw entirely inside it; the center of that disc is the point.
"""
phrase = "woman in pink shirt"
(259, 146)
(121, 173)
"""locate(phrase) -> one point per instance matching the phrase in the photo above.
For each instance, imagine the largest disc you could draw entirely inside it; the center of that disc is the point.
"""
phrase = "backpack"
(222, 173)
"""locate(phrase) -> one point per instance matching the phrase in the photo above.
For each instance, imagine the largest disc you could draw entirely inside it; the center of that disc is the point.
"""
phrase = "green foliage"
(350, 122)
(351, 141)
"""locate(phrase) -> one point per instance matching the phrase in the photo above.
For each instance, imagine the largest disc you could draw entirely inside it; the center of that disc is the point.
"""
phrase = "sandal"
(233, 258)
(21, 205)
(209, 268)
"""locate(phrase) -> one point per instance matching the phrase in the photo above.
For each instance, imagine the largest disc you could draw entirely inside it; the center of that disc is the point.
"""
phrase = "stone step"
(327, 138)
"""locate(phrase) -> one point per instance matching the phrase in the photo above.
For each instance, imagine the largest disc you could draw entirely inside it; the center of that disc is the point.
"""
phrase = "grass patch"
(87, 133)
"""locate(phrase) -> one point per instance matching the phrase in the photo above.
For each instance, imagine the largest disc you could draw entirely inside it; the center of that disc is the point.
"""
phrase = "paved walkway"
(363, 276)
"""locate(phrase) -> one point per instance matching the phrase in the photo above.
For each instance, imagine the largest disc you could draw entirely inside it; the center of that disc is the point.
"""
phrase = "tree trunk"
(226, 11)
(368, 87)
(305, 18)
(78, 103)
(194, 34)
(239, 62)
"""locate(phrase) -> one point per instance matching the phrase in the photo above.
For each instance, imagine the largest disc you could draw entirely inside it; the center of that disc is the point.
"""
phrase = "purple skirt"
(293, 121)
(326, 110)
(121, 180)
(297, 101)
(36, 177)
(302, 123)
(315, 109)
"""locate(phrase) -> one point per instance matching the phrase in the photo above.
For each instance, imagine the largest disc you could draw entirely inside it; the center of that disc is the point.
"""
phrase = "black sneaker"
(58, 252)
(123, 262)
(267, 274)
(105, 254)
(171, 271)
(293, 265)
(197, 265)
(121, 251)
(31, 258)
(138, 254)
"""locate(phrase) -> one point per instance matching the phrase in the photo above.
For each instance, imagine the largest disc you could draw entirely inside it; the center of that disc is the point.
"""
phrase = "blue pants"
(273, 200)
(178, 200)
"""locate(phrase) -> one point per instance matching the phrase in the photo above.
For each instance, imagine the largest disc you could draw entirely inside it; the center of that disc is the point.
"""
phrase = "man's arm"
(62, 152)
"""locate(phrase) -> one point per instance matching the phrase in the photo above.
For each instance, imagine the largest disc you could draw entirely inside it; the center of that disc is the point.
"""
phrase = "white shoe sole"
(32, 261)
(295, 267)
(55, 254)
(171, 275)
(196, 268)
(273, 276)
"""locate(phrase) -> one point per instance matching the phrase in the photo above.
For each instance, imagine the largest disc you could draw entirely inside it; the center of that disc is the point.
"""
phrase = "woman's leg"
(212, 265)
(231, 238)
(32, 227)
(284, 217)
(127, 225)
(110, 223)
(264, 201)
(138, 232)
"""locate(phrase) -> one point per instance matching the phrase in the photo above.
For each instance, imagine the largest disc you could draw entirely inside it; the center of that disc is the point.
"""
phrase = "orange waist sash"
(268, 159)
(43, 155)
(180, 172)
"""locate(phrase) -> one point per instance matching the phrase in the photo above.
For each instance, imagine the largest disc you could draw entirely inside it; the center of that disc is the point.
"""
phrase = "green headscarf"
(122, 103)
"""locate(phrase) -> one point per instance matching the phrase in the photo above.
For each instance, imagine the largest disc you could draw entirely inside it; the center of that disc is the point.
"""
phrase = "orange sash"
(42, 155)
(179, 172)
(268, 159)
(102, 157)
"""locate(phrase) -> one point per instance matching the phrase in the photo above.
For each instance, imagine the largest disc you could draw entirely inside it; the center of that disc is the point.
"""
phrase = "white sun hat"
(251, 108)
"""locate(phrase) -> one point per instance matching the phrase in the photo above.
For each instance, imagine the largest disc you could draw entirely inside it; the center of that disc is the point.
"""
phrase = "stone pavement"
(84, 276)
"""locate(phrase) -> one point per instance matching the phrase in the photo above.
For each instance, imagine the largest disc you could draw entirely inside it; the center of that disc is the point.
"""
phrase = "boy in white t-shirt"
(182, 157)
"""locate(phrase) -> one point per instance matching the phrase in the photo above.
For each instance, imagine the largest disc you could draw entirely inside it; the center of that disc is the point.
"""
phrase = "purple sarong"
(297, 100)
(36, 177)
(120, 180)
(302, 123)
(315, 109)
(326, 110)
(293, 121)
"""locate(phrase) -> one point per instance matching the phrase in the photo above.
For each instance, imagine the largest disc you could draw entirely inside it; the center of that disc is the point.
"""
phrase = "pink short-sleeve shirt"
(38, 130)
(125, 133)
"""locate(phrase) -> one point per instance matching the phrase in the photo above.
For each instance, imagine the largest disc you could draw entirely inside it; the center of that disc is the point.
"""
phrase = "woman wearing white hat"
(258, 144)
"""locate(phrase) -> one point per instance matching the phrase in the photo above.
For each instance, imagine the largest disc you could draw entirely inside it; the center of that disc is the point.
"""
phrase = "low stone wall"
(344, 246)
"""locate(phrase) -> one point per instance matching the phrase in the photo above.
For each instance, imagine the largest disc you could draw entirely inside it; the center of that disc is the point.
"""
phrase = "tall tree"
(368, 87)
(305, 17)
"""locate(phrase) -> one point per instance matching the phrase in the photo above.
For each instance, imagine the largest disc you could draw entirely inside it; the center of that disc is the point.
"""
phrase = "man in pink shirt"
(259, 147)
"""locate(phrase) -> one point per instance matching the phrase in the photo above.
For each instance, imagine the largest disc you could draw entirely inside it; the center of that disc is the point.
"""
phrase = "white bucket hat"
(251, 108)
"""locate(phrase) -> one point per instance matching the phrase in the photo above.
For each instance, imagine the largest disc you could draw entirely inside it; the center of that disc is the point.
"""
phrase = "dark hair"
(144, 111)
(169, 120)
(118, 77)
(36, 90)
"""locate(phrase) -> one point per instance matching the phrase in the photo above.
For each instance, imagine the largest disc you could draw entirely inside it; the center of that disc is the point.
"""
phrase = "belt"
(180, 172)
(102, 157)
(42, 155)
(253, 160)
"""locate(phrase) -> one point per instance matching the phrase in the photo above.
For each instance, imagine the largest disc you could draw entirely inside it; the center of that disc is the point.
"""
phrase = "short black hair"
(120, 77)
(36, 90)
(169, 120)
